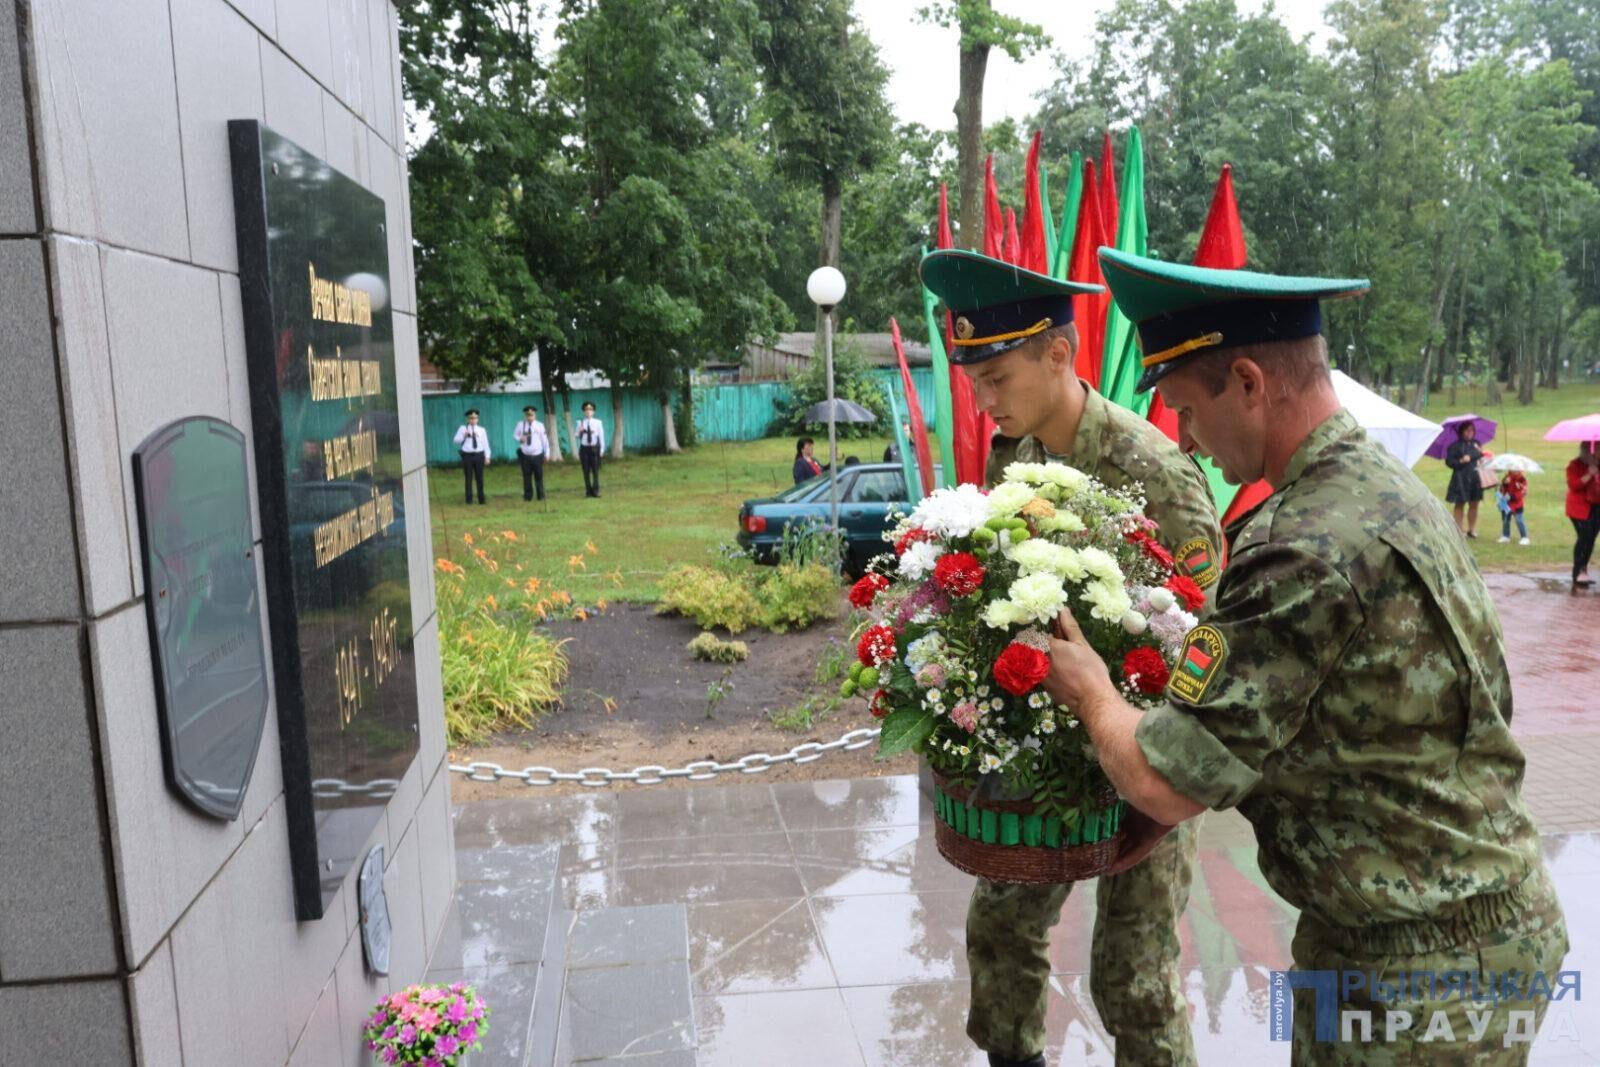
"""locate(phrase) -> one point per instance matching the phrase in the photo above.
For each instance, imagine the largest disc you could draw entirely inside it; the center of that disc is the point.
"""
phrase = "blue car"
(867, 493)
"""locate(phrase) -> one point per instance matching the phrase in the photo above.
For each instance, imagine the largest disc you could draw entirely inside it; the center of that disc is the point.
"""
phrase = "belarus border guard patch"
(1198, 560)
(1203, 652)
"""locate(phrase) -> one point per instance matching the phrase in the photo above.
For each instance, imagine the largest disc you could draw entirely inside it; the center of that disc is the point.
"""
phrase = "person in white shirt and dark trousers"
(591, 442)
(532, 444)
(473, 441)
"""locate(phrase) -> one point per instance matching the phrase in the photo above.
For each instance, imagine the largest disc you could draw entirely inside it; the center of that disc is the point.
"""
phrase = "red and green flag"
(1121, 365)
(1088, 309)
(994, 223)
(1033, 250)
(1195, 661)
(919, 450)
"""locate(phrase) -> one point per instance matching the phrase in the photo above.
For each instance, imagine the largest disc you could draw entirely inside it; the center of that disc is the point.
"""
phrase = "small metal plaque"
(203, 609)
(376, 932)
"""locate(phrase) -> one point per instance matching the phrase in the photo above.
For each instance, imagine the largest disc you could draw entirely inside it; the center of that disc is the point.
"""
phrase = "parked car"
(867, 493)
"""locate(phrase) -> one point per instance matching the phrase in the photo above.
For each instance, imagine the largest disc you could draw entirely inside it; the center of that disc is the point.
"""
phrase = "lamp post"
(825, 287)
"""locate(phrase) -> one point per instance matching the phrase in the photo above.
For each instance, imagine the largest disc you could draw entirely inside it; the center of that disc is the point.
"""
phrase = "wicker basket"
(1009, 841)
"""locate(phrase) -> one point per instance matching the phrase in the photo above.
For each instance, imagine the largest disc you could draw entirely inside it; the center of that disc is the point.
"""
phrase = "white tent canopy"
(1402, 434)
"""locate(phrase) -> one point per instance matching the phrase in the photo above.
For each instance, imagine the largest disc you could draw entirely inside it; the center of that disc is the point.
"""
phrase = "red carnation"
(879, 705)
(867, 589)
(909, 538)
(1020, 667)
(1153, 549)
(876, 646)
(1184, 588)
(1145, 670)
(958, 573)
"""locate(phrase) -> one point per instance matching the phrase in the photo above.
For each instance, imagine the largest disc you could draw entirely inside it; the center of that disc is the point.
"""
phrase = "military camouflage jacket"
(1121, 449)
(1349, 694)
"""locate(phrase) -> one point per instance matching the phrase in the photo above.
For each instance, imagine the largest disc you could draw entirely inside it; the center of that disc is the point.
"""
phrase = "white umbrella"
(1402, 434)
(1510, 461)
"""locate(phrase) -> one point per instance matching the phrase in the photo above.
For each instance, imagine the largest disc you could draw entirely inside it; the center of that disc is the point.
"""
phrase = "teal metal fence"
(739, 412)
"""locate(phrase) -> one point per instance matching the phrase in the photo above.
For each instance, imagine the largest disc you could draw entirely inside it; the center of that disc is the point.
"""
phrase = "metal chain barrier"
(651, 774)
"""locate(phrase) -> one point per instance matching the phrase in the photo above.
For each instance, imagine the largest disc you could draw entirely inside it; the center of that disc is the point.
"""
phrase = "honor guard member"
(473, 440)
(591, 442)
(532, 444)
(1348, 694)
(1015, 340)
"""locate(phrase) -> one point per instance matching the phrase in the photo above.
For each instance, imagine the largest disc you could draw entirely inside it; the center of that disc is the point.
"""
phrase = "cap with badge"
(1182, 310)
(996, 305)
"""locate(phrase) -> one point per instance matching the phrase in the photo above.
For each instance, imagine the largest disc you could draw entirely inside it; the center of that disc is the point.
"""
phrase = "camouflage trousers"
(1519, 931)
(1133, 970)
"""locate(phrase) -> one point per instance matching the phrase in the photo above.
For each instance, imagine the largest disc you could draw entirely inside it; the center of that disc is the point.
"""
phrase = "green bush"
(708, 646)
(711, 598)
(798, 595)
(811, 541)
(496, 677)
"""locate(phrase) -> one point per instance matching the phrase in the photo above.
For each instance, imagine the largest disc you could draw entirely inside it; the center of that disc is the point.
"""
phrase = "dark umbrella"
(1450, 433)
(843, 411)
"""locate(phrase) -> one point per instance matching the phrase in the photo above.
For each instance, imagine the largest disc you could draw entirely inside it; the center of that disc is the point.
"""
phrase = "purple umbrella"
(1448, 435)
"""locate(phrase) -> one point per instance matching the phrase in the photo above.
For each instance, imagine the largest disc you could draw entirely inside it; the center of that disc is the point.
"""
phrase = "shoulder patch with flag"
(1197, 558)
(1198, 662)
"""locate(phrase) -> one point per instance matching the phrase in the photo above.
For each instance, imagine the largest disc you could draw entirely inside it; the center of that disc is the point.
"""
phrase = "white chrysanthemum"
(1134, 623)
(1062, 522)
(1032, 473)
(1007, 498)
(918, 561)
(1040, 597)
(1070, 480)
(925, 650)
(952, 512)
(1101, 564)
(1042, 557)
(1161, 599)
(1107, 601)
(1003, 614)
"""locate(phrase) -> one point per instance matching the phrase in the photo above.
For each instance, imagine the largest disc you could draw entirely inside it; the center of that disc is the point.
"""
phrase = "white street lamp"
(825, 287)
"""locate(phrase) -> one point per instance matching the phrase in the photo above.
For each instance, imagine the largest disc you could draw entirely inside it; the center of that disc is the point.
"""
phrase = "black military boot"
(997, 1060)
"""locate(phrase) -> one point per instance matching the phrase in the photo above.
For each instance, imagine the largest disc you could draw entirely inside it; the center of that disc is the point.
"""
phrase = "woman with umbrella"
(1466, 485)
(1583, 508)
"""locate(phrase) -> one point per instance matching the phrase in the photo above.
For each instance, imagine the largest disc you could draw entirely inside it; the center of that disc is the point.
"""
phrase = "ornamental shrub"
(709, 597)
(708, 646)
(798, 595)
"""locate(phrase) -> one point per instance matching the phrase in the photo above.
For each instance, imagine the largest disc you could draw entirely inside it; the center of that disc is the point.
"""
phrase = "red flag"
(919, 428)
(993, 223)
(1089, 310)
(1034, 252)
(1108, 191)
(969, 429)
(1222, 241)
(1012, 248)
(945, 240)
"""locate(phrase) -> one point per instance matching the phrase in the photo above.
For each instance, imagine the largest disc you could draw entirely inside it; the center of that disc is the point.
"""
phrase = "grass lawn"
(1522, 430)
(656, 512)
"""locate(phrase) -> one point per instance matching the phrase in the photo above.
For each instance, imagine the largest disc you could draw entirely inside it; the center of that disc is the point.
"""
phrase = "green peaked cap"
(1182, 310)
(997, 305)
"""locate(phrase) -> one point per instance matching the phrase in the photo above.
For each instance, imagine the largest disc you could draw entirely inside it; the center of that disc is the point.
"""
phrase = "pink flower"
(477, 1011)
(377, 1019)
(469, 1034)
(427, 1020)
(432, 996)
(408, 1036)
(397, 1000)
(409, 1010)
(390, 1055)
(389, 1031)
(965, 715)
(446, 1045)
(457, 1010)
(433, 1061)
(457, 987)
(931, 676)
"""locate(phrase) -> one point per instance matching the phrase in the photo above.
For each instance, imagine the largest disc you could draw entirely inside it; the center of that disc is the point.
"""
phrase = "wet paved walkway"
(814, 924)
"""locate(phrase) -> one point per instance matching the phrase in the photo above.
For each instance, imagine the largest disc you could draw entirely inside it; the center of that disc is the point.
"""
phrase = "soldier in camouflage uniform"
(1027, 382)
(1348, 693)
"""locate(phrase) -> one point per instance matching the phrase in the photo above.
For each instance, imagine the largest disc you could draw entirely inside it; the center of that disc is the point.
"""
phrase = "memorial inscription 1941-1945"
(319, 336)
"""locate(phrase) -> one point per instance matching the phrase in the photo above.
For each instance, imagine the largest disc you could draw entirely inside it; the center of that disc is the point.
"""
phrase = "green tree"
(853, 379)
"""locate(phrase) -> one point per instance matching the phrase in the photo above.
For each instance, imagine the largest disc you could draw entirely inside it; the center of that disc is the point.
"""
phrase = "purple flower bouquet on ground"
(431, 1025)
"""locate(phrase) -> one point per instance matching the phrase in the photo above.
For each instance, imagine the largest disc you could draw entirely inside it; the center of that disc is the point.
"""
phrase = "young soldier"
(532, 444)
(591, 443)
(1015, 339)
(1348, 693)
(473, 440)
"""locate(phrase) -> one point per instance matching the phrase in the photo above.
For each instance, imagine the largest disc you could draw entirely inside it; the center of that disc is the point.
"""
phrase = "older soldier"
(1348, 694)
(1015, 340)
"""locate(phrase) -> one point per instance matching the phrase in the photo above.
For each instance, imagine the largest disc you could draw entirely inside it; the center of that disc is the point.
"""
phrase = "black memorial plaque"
(192, 494)
(319, 335)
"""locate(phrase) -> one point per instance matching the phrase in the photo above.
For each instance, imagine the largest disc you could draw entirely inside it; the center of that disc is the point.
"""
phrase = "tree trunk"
(828, 249)
(1527, 361)
(1460, 346)
(1420, 400)
(567, 422)
(552, 429)
(969, 143)
(668, 429)
(689, 436)
(616, 422)
(1558, 344)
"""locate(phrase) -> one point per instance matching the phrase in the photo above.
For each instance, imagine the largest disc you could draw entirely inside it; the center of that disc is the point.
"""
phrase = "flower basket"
(1012, 841)
(428, 1025)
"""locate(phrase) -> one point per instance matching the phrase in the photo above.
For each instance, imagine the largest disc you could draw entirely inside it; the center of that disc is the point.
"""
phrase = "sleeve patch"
(1198, 662)
(1197, 558)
